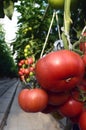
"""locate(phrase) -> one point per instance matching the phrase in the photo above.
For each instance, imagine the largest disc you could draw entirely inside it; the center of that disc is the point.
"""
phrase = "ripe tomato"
(82, 46)
(84, 59)
(20, 73)
(59, 71)
(58, 98)
(59, 4)
(22, 70)
(31, 69)
(71, 108)
(30, 60)
(26, 71)
(82, 121)
(33, 100)
(22, 62)
(22, 99)
(19, 64)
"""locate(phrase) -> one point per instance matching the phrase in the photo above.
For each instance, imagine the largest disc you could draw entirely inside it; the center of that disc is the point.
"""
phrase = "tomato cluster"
(62, 81)
(62, 75)
(26, 69)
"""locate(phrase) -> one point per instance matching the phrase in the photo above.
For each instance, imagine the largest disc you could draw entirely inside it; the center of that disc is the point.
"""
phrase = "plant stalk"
(67, 23)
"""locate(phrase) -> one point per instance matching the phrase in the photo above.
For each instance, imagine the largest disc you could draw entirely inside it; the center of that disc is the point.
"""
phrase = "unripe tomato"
(59, 4)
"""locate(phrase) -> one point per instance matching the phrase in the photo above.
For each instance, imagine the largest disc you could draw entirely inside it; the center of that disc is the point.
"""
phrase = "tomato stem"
(67, 23)
(75, 48)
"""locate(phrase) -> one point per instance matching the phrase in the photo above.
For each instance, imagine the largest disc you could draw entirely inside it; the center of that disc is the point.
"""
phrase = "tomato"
(59, 4)
(58, 98)
(26, 71)
(82, 121)
(56, 3)
(84, 59)
(20, 72)
(19, 64)
(22, 62)
(59, 71)
(22, 99)
(31, 69)
(30, 60)
(33, 100)
(82, 45)
(71, 108)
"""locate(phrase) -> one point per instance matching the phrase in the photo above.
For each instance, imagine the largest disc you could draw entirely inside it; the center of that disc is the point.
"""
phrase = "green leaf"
(8, 8)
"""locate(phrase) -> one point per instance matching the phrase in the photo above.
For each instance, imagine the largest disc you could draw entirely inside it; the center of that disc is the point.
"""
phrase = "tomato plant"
(33, 100)
(59, 71)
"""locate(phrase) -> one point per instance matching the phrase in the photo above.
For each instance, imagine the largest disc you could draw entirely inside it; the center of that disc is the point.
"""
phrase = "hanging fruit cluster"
(61, 77)
(62, 86)
(27, 51)
(26, 69)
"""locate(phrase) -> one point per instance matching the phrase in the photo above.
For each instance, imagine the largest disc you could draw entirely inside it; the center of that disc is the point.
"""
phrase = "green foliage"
(34, 22)
(33, 27)
(7, 64)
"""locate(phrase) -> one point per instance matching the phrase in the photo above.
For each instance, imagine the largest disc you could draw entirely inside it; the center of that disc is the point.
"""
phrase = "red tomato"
(30, 60)
(84, 59)
(20, 73)
(22, 99)
(22, 70)
(19, 64)
(71, 108)
(26, 71)
(33, 100)
(58, 98)
(82, 121)
(22, 62)
(59, 71)
(31, 69)
(82, 46)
